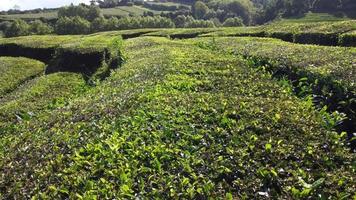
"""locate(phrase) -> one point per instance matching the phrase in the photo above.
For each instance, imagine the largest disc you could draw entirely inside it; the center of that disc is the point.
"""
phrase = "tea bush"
(179, 121)
(15, 71)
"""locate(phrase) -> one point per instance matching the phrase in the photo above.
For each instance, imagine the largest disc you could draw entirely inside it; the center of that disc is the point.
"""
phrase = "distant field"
(121, 11)
(314, 17)
(166, 3)
(127, 10)
(46, 15)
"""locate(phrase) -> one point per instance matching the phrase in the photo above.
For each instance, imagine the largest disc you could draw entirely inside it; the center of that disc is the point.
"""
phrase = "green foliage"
(89, 13)
(39, 28)
(348, 39)
(17, 28)
(45, 92)
(72, 25)
(234, 8)
(200, 24)
(233, 22)
(199, 10)
(177, 120)
(15, 71)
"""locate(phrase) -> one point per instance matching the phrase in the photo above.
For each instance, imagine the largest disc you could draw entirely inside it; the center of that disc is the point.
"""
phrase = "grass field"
(46, 15)
(178, 114)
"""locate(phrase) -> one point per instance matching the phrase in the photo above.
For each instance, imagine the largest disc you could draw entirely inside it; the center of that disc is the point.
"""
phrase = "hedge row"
(322, 33)
(327, 73)
(348, 39)
(15, 71)
(84, 54)
(37, 95)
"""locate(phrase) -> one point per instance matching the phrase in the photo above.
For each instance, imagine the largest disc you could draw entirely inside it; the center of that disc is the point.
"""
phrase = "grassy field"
(178, 114)
(46, 15)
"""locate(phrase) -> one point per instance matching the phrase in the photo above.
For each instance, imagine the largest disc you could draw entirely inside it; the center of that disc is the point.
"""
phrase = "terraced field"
(176, 114)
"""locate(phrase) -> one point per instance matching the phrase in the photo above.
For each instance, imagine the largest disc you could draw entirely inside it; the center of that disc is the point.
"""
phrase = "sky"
(32, 4)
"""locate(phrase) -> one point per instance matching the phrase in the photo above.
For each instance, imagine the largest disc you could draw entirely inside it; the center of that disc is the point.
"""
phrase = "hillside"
(121, 11)
(222, 113)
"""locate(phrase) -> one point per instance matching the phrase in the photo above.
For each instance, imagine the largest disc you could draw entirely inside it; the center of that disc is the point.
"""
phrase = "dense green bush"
(72, 25)
(37, 27)
(18, 28)
(87, 12)
(199, 10)
(233, 22)
(200, 24)
(101, 24)
(233, 8)
(144, 22)
(182, 21)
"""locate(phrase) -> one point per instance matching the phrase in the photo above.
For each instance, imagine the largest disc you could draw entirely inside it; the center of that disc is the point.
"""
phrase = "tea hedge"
(330, 76)
(43, 93)
(92, 55)
(348, 39)
(15, 71)
(321, 33)
(182, 122)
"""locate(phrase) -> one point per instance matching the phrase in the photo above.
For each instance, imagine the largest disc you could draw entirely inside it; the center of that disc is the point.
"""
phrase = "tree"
(87, 12)
(18, 28)
(112, 23)
(327, 5)
(199, 10)
(72, 25)
(181, 21)
(233, 22)
(200, 24)
(99, 24)
(296, 7)
(239, 8)
(73, 11)
(93, 13)
(40, 28)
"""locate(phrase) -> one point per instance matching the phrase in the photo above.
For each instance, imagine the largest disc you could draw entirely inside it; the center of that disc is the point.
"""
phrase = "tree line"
(84, 19)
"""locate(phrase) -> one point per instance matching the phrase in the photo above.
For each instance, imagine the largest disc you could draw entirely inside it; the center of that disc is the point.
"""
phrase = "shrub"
(40, 28)
(88, 13)
(72, 25)
(4, 25)
(200, 10)
(99, 24)
(233, 22)
(145, 22)
(200, 24)
(18, 28)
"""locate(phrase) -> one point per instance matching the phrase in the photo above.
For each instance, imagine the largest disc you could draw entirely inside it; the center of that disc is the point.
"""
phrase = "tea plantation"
(230, 113)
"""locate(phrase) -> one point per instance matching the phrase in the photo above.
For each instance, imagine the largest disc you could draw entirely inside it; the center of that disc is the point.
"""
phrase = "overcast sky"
(31, 4)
